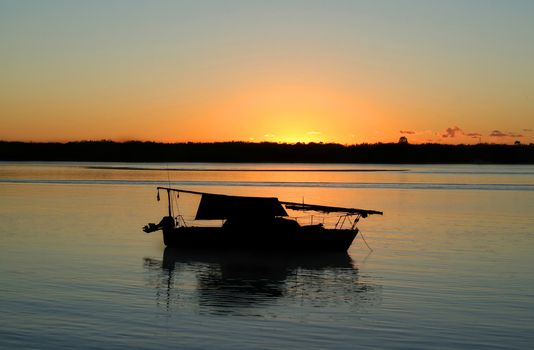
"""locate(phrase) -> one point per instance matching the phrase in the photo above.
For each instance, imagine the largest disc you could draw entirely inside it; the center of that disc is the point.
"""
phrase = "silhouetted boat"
(257, 223)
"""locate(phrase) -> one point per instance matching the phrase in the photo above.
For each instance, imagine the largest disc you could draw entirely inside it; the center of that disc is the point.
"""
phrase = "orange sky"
(338, 71)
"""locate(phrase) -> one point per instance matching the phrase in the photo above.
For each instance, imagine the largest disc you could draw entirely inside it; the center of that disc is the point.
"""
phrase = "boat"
(257, 223)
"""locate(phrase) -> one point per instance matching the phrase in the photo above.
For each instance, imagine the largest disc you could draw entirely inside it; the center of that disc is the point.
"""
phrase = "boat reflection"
(240, 282)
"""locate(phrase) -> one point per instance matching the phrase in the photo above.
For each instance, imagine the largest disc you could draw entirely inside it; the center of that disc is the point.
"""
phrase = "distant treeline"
(136, 151)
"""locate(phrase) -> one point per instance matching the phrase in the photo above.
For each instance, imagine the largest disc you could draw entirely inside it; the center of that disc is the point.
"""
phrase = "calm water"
(452, 266)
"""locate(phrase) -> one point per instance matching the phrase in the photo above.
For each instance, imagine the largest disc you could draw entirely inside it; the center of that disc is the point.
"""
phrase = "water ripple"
(314, 184)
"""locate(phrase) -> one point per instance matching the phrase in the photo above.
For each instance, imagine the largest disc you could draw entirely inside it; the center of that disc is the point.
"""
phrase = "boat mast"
(169, 199)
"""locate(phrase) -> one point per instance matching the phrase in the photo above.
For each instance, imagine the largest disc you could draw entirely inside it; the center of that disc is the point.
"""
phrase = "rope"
(361, 235)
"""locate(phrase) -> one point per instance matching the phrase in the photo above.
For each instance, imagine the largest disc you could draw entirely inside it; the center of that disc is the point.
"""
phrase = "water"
(451, 266)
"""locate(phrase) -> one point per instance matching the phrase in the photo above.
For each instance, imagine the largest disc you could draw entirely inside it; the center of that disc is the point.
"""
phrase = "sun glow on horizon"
(342, 72)
(293, 138)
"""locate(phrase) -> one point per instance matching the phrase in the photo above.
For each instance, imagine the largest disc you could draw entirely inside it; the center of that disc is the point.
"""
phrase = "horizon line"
(515, 143)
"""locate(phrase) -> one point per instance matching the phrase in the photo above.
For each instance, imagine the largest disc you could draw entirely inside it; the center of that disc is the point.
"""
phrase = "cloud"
(527, 130)
(314, 133)
(269, 135)
(474, 135)
(451, 132)
(409, 132)
(497, 133)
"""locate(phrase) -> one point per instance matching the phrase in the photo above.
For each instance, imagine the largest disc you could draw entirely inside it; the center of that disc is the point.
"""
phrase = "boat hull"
(306, 238)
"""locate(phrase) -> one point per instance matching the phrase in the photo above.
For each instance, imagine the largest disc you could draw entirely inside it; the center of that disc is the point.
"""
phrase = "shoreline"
(243, 152)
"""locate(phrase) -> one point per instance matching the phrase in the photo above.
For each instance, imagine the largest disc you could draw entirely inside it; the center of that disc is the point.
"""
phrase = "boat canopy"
(222, 207)
(215, 206)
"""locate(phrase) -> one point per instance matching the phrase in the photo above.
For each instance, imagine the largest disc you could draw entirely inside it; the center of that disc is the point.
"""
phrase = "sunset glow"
(342, 71)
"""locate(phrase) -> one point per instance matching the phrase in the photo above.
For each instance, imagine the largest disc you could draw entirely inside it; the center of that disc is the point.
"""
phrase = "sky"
(283, 71)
